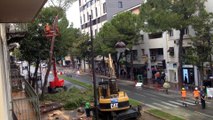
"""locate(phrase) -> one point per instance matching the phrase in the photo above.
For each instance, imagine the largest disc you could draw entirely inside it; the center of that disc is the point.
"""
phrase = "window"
(81, 20)
(91, 14)
(120, 5)
(96, 12)
(94, 22)
(171, 33)
(84, 17)
(171, 51)
(143, 52)
(142, 37)
(104, 8)
(98, 20)
(87, 16)
(160, 51)
(155, 35)
(96, 32)
(135, 54)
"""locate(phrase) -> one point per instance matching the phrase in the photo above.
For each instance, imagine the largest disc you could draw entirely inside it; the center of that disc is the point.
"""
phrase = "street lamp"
(120, 47)
(93, 70)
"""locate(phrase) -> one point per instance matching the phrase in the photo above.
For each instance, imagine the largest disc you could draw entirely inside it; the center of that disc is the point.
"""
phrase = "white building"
(153, 48)
(18, 12)
(164, 46)
(101, 11)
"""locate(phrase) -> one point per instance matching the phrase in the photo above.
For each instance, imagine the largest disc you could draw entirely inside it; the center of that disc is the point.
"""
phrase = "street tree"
(128, 27)
(36, 46)
(105, 40)
(164, 15)
(201, 51)
(123, 27)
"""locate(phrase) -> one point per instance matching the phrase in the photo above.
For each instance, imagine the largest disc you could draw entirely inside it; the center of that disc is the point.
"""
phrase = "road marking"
(204, 114)
(189, 103)
(169, 104)
(162, 105)
(177, 103)
(151, 106)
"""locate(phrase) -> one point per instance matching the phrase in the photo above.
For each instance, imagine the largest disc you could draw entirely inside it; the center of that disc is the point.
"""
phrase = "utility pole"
(93, 71)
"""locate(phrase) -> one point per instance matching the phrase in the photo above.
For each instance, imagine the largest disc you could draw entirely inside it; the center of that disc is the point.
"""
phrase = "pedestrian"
(196, 94)
(202, 98)
(166, 86)
(183, 95)
(87, 109)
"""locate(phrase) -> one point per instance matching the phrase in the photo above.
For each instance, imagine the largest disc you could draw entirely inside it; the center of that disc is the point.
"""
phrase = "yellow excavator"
(114, 103)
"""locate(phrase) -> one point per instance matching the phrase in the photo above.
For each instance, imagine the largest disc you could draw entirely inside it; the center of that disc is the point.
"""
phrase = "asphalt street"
(150, 98)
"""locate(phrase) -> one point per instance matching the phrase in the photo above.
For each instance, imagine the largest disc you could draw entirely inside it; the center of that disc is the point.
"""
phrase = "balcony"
(25, 101)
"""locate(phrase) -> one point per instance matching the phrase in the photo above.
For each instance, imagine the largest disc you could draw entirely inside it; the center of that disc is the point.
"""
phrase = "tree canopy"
(163, 15)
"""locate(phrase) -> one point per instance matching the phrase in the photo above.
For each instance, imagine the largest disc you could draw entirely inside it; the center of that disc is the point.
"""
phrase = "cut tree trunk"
(180, 59)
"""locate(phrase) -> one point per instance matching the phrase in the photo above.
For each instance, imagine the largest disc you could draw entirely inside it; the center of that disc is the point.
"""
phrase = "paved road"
(154, 99)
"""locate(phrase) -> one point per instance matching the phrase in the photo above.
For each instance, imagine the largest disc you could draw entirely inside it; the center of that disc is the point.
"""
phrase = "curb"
(154, 115)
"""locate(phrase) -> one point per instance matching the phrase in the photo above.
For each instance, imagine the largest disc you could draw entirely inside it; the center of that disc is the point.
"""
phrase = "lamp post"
(120, 47)
(93, 71)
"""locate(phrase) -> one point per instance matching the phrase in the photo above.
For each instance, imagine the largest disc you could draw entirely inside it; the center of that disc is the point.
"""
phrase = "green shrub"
(72, 98)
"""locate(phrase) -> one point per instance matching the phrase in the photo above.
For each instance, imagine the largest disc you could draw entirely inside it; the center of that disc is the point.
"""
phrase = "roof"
(19, 11)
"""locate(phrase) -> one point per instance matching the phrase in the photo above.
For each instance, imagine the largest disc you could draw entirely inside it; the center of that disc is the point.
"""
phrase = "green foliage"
(163, 115)
(162, 15)
(123, 27)
(202, 41)
(127, 26)
(72, 98)
(106, 39)
(17, 53)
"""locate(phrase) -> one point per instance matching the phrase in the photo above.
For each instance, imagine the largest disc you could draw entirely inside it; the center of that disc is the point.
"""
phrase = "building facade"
(157, 51)
(18, 12)
(101, 11)
(162, 52)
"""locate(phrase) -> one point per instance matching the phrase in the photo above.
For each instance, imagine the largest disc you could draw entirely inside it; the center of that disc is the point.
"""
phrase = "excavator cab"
(108, 88)
(114, 103)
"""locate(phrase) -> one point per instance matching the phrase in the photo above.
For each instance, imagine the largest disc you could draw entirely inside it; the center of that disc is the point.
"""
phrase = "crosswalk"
(170, 104)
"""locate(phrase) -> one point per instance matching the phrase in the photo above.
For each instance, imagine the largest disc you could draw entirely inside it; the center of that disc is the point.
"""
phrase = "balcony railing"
(25, 101)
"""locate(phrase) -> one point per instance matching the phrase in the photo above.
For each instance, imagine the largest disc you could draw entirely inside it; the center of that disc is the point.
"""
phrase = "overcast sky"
(73, 14)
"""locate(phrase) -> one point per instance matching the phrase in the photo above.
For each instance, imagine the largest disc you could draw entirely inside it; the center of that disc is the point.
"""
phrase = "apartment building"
(162, 48)
(12, 12)
(101, 11)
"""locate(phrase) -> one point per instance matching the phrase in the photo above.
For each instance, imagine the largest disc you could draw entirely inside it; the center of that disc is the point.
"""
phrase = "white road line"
(169, 104)
(189, 103)
(160, 105)
(151, 106)
(177, 103)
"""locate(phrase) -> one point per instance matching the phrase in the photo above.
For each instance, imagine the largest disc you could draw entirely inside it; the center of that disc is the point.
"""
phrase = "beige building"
(12, 11)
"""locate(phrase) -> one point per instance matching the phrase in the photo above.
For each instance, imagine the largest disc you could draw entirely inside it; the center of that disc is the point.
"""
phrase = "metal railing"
(25, 102)
(27, 108)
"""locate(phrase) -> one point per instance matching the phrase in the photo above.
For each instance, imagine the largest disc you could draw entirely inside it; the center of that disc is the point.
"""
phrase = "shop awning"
(18, 11)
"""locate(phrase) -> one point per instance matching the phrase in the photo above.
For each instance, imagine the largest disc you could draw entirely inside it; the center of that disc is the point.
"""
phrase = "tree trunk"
(84, 64)
(131, 70)
(29, 73)
(104, 65)
(51, 56)
(73, 62)
(180, 58)
(35, 76)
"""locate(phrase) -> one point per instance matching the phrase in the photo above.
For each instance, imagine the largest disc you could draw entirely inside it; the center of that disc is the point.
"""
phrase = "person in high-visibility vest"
(196, 94)
(183, 95)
